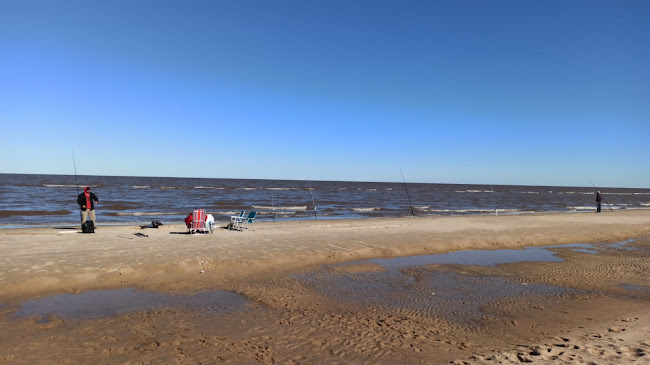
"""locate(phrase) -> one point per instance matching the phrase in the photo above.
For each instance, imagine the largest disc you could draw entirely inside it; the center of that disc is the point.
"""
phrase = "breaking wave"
(137, 214)
(580, 208)
(300, 207)
(14, 213)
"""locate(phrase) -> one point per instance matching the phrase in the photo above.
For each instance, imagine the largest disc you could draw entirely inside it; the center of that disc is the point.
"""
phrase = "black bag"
(155, 224)
(88, 227)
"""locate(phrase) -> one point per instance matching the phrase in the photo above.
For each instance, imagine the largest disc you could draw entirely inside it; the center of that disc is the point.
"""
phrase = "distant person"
(599, 199)
(86, 201)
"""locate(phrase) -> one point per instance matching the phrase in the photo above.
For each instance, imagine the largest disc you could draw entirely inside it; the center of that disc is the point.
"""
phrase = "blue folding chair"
(236, 220)
(248, 220)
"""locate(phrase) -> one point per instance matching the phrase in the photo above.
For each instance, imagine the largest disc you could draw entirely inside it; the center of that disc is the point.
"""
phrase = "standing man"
(599, 198)
(86, 201)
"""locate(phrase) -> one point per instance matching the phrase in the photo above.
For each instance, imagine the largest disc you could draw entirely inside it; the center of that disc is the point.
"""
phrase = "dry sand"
(291, 320)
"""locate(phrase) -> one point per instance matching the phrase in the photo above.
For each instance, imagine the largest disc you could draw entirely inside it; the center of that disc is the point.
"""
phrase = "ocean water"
(27, 200)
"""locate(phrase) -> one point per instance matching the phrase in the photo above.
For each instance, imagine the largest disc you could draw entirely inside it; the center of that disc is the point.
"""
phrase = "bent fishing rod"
(592, 184)
(407, 193)
(313, 203)
(74, 163)
(75, 173)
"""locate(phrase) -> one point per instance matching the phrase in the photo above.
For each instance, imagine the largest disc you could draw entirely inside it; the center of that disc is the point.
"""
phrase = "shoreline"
(506, 212)
(39, 261)
(290, 320)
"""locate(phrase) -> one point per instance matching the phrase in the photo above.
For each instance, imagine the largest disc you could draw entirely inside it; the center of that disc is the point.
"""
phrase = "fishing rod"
(74, 163)
(312, 197)
(75, 172)
(496, 211)
(272, 205)
(592, 184)
(407, 193)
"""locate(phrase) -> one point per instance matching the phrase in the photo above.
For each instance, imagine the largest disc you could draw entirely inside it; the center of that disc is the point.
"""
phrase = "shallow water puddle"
(641, 288)
(623, 245)
(490, 257)
(585, 250)
(104, 303)
(456, 297)
(471, 257)
(408, 284)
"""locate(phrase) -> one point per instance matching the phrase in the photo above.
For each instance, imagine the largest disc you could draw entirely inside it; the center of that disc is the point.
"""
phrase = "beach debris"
(202, 271)
(154, 224)
(141, 235)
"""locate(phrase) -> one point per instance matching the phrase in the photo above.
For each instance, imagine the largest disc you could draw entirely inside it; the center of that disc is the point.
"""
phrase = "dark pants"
(597, 207)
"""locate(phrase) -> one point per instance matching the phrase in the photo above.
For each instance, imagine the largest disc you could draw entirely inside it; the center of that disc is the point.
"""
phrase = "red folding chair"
(198, 221)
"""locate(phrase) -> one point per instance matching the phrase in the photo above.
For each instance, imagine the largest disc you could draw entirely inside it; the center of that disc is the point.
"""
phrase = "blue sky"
(486, 92)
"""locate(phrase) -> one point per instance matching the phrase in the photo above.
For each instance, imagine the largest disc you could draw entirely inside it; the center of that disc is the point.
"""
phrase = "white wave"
(473, 210)
(473, 191)
(168, 187)
(371, 189)
(645, 204)
(530, 192)
(301, 207)
(276, 212)
(140, 186)
(581, 208)
(365, 209)
(575, 192)
(59, 186)
(247, 188)
(422, 206)
(280, 188)
(641, 193)
(148, 213)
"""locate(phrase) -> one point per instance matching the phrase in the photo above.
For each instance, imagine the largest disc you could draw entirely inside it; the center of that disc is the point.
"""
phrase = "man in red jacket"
(86, 201)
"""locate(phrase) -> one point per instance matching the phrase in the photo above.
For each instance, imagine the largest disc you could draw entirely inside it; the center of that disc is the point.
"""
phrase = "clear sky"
(486, 92)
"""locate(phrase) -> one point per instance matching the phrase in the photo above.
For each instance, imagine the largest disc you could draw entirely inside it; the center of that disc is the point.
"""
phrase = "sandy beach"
(584, 308)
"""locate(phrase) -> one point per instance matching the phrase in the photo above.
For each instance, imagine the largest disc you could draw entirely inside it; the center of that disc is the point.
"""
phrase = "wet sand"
(601, 314)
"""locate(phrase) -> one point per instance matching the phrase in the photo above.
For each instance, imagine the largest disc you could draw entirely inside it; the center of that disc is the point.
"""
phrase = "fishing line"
(272, 206)
(407, 192)
(312, 197)
(74, 163)
(496, 211)
(75, 172)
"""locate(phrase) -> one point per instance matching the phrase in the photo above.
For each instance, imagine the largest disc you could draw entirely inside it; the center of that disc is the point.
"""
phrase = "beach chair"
(248, 220)
(209, 223)
(235, 220)
(197, 225)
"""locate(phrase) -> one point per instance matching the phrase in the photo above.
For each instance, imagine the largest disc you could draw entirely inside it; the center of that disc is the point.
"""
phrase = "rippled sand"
(303, 307)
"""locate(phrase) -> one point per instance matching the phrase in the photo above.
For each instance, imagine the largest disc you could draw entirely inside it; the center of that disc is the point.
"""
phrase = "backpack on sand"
(88, 227)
